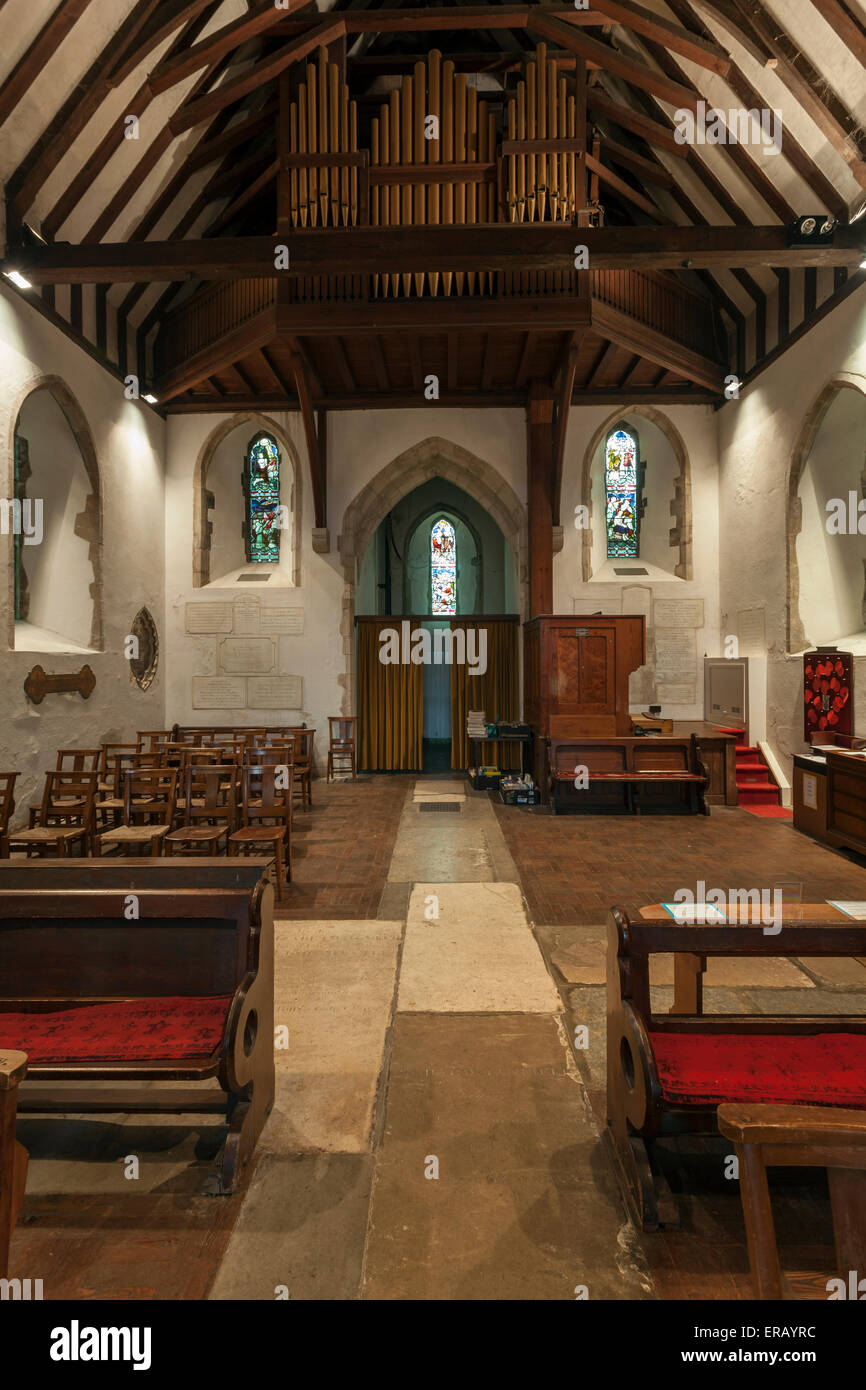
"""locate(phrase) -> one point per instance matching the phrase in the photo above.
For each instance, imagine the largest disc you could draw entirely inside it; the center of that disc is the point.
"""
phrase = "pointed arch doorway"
(437, 546)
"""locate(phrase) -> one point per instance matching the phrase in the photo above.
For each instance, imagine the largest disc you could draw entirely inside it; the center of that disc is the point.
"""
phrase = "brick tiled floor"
(341, 849)
(573, 868)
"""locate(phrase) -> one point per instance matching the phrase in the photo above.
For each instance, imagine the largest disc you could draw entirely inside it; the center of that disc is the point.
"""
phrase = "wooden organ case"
(436, 154)
(575, 677)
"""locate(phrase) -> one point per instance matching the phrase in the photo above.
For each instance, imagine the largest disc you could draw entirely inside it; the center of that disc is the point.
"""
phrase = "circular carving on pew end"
(251, 1029)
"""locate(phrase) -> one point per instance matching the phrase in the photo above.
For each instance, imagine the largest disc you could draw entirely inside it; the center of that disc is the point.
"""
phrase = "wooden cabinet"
(576, 674)
(810, 795)
(846, 800)
(575, 678)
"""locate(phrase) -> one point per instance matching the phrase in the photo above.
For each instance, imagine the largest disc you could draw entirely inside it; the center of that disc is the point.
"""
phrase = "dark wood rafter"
(846, 24)
(31, 63)
(315, 443)
(225, 40)
(527, 246)
(564, 393)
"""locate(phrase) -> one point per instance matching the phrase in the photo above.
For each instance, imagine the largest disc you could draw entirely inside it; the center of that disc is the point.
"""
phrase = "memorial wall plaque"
(250, 655)
(283, 622)
(676, 660)
(683, 612)
(219, 692)
(751, 632)
(246, 616)
(208, 617)
(676, 695)
(275, 692)
(637, 600)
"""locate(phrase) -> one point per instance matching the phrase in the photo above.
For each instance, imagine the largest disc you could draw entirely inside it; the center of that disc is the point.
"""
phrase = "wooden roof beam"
(407, 250)
(650, 130)
(216, 45)
(192, 112)
(43, 47)
(609, 59)
(707, 54)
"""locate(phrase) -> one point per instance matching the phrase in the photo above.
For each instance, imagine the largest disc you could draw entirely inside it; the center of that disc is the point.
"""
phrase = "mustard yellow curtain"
(390, 706)
(496, 692)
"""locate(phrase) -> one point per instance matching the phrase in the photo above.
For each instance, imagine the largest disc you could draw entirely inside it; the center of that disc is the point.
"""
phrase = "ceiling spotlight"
(18, 279)
(151, 399)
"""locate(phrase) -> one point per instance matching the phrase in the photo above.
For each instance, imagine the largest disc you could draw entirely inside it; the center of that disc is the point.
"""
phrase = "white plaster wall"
(830, 564)
(758, 436)
(697, 428)
(360, 444)
(58, 570)
(129, 439)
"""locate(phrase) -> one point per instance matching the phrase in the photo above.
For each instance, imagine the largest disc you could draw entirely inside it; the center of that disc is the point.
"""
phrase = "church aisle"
(436, 1040)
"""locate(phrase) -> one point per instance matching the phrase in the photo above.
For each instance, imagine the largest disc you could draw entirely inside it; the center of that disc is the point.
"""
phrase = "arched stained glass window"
(262, 490)
(443, 568)
(622, 494)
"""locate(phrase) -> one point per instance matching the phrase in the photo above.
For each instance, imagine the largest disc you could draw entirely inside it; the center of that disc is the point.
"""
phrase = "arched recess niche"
(432, 457)
(64, 585)
(245, 423)
(680, 504)
(798, 638)
(422, 523)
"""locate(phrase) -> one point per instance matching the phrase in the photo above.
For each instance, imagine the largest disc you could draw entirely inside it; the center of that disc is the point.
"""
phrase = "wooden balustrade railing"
(660, 302)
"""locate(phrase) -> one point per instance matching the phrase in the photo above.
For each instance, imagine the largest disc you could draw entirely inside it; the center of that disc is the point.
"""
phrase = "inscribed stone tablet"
(208, 617)
(252, 654)
(676, 694)
(637, 600)
(246, 615)
(752, 632)
(684, 612)
(276, 692)
(219, 692)
(287, 622)
(676, 655)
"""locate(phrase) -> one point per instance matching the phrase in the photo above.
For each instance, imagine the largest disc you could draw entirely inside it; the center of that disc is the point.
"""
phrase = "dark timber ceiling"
(203, 80)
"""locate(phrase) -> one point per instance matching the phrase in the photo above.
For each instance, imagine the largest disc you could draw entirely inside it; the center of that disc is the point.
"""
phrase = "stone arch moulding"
(88, 523)
(681, 505)
(202, 528)
(434, 457)
(797, 639)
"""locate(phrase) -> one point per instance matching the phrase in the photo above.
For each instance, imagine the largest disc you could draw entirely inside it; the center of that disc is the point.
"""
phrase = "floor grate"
(439, 806)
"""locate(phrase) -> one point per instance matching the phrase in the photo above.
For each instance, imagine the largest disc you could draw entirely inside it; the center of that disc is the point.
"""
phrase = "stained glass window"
(263, 501)
(443, 568)
(621, 492)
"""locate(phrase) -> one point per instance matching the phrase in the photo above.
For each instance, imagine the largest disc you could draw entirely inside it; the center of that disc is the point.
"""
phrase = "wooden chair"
(71, 760)
(799, 1136)
(7, 806)
(209, 810)
(65, 814)
(151, 740)
(107, 779)
(13, 1156)
(342, 743)
(266, 797)
(149, 797)
(109, 807)
(303, 756)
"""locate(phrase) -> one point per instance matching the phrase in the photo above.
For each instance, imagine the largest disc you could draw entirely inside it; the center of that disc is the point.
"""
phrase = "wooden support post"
(13, 1157)
(540, 462)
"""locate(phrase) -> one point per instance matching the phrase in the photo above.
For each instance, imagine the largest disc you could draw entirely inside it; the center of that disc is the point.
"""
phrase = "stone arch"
(88, 523)
(433, 457)
(202, 527)
(681, 505)
(797, 639)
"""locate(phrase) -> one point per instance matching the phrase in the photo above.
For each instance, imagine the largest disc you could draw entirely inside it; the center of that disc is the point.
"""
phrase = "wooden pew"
(13, 1156)
(667, 1074)
(184, 991)
(800, 1136)
(633, 774)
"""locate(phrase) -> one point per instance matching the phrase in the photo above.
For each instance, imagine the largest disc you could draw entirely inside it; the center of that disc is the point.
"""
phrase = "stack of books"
(476, 725)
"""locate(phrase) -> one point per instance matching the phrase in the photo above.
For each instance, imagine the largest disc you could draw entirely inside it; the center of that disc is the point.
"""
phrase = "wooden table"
(808, 929)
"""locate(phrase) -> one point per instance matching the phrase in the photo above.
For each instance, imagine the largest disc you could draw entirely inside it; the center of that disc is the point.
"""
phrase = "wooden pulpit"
(575, 677)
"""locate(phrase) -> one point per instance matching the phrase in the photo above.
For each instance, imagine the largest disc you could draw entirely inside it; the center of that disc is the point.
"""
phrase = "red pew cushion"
(125, 1030)
(768, 1068)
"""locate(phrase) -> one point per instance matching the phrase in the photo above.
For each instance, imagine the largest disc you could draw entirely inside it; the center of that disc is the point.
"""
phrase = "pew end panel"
(183, 991)
(668, 1074)
(13, 1155)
